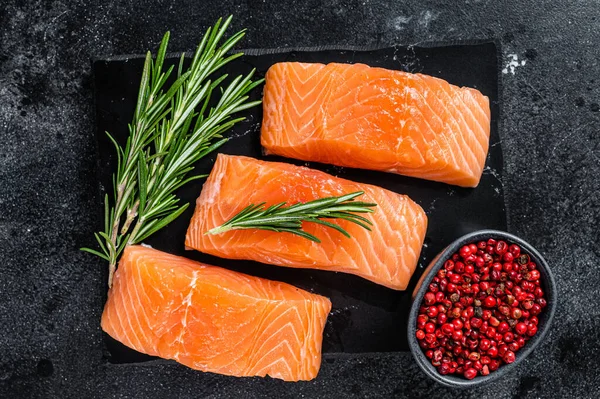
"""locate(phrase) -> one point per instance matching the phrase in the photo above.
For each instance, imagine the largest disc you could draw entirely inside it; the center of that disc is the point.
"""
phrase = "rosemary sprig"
(289, 219)
(170, 131)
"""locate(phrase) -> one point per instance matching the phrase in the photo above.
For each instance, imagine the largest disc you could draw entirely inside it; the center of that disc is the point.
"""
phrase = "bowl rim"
(546, 278)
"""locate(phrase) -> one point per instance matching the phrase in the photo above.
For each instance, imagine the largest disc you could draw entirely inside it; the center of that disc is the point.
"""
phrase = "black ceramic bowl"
(545, 317)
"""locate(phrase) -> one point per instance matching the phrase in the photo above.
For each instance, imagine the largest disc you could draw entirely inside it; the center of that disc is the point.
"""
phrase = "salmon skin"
(213, 319)
(373, 118)
(387, 255)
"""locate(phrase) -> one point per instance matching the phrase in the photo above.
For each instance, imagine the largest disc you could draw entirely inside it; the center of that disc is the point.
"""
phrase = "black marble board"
(365, 317)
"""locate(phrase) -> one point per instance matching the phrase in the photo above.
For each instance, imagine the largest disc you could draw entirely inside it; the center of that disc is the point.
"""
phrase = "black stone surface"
(51, 295)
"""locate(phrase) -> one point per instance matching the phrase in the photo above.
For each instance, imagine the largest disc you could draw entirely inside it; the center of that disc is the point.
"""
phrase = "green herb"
(170, 131)
(280, 218)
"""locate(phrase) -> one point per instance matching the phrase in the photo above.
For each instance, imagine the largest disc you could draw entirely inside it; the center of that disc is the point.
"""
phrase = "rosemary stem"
(112, 266)
(131, 215)
(136, 228)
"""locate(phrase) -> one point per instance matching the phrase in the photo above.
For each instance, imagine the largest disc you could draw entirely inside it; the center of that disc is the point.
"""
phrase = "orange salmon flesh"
(372, 118)
(213, 319)
(387, 255)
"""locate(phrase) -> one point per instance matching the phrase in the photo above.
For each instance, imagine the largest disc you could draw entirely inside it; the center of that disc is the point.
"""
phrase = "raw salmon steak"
(213, 319)
(387, 255)
(373, 118)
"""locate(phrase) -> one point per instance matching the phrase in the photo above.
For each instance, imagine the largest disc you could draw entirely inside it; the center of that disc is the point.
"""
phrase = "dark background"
(51, 295)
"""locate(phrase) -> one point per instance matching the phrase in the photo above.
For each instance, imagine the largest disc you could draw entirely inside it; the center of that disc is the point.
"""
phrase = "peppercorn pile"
(480, 309)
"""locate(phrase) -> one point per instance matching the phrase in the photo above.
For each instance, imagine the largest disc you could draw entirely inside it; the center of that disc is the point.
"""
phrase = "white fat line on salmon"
(187, 302)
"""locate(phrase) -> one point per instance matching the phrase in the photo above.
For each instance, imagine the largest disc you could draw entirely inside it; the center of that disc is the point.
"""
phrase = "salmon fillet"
(213, 319)
(387, 255)
(373, 118)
